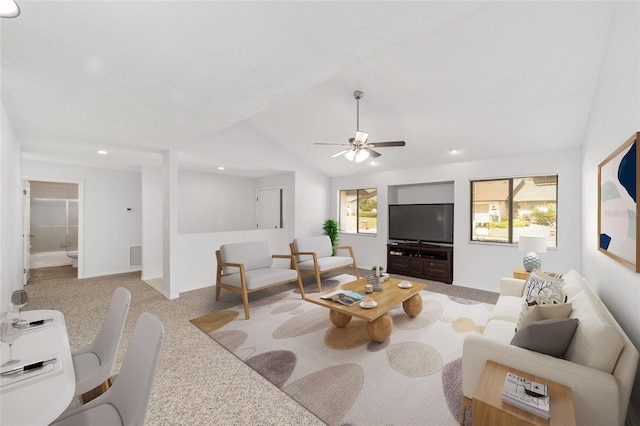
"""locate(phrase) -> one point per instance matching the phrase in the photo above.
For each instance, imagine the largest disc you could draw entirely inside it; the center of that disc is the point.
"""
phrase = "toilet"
(74, 258)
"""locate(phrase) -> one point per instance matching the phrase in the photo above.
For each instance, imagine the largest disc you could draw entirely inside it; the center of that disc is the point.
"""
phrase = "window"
(504, 209)
(359, 211)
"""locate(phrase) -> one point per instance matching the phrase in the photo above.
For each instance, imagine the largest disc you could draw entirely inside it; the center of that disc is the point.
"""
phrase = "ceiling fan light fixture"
(361, 137)
(350, 155)
(362, 155)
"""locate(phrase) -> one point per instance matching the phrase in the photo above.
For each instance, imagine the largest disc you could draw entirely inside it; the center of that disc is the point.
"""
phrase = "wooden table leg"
(380, 328)
(339, 319)
(413, 305)
(465, 402)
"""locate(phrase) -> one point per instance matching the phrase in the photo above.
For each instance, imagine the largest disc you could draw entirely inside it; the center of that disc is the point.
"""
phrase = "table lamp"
(532, 244)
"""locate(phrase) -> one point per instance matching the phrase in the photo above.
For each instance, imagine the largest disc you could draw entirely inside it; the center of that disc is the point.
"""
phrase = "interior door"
(26, 236)
(269, 204)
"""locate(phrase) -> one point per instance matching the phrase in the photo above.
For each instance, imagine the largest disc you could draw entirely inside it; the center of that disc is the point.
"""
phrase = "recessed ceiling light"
(102, 152)
(221, 168)
(454, 151)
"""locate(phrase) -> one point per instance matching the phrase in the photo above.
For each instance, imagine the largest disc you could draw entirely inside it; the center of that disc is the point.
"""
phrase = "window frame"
(473, 237)
(357, 211)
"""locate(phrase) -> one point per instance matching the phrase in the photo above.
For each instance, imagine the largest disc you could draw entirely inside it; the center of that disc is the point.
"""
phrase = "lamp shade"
(534, 243)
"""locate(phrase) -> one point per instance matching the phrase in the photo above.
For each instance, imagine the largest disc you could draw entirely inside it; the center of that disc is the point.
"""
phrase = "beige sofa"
(599, 365)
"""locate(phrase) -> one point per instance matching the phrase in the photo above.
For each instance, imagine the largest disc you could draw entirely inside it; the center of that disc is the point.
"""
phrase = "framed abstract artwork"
(617, 205)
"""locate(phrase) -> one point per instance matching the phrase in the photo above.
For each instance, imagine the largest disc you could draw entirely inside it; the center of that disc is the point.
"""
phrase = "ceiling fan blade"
(374, 154)
(338, 154)
(385, 144)
(332, 144)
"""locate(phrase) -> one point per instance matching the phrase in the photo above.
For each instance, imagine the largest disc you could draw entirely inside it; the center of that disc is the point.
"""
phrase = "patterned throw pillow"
(540, 284)
(540, 289)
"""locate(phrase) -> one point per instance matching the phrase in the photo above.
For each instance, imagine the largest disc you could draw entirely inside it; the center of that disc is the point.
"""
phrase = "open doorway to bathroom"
(52, 211)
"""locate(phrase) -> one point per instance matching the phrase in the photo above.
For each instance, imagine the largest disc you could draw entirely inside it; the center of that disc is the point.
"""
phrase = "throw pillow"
(546, 311)
(540, 288)
(550, 336)
(540, 283)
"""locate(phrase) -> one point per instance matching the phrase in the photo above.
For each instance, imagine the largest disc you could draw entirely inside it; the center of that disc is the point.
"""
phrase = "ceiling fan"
(358, 149)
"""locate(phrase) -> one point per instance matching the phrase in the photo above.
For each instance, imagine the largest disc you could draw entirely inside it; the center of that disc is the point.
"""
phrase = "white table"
(39, 398)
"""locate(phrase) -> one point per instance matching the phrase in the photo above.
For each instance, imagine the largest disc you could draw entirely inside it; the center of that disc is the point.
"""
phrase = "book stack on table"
(345, 297)
(526, 394)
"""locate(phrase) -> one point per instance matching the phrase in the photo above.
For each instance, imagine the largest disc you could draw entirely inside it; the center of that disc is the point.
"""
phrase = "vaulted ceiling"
(490, 79)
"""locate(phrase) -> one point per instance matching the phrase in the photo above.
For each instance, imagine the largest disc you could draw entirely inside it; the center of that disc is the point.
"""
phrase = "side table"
(487, 407)
(521, 274)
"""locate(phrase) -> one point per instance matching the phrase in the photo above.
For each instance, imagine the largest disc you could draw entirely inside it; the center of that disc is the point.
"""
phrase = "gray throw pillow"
(550, 336)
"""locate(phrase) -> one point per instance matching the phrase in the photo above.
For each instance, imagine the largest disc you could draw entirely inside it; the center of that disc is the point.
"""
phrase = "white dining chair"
(125, 403)
(93, 364)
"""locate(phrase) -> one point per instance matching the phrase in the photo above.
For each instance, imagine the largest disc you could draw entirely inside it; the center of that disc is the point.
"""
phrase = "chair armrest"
(304, 253)
(345, 248)
(282, 256)
(511, 287)
(292, 260)
(235, 265)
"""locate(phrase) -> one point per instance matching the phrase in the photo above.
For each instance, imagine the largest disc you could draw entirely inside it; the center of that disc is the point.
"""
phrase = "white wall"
(209, 202)
(311, 186)
(151, 181)
(615, 116)
(478, 265)
(108, 229)
(197, 264)
(441, 192)
(11, 211)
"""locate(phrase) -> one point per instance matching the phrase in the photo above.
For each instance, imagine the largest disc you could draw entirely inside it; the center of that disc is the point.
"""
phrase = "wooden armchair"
(247, 267)
(314, 255)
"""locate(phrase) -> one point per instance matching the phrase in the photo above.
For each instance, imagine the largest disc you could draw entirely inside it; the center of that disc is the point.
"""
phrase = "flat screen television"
(428, 223)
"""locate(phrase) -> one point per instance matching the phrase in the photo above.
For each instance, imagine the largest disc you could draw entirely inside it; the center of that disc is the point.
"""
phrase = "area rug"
(339, 374)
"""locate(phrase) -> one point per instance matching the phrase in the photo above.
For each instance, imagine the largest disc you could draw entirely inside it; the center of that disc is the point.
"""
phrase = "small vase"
(377, 286)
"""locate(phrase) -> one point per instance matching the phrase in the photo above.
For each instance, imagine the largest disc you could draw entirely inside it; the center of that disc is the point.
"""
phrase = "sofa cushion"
(325, 263)
(320, 245)
(571, 285)
(549, 336)
(258, 278)
(507, 308)
(254, 255)
(595, 344)
(499, 330)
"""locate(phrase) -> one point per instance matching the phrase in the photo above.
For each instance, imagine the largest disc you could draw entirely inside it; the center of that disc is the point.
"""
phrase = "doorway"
(269, 208)
(52, 226)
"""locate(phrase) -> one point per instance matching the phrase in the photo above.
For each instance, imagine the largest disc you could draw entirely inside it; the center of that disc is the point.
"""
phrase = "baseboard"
(198, 286)
(475, 287)
(116, 272)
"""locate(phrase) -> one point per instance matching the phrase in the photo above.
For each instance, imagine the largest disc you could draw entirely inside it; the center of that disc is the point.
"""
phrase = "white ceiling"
(488, 78)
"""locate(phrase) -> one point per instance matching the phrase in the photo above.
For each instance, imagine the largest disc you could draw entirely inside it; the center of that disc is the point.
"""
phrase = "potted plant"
(332, 229)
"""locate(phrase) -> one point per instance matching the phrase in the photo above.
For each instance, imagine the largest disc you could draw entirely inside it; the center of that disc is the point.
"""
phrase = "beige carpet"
(198, 381)
(342, 376)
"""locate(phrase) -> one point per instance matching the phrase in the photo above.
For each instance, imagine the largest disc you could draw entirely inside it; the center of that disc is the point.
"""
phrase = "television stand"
(425, 261)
